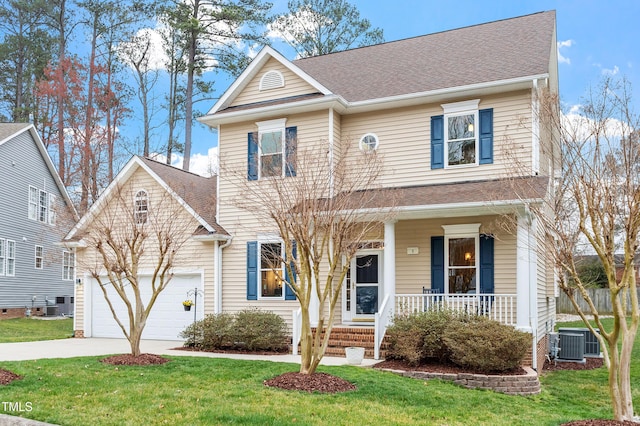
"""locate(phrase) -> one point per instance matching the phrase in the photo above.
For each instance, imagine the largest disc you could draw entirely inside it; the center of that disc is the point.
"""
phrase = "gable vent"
(271, 80)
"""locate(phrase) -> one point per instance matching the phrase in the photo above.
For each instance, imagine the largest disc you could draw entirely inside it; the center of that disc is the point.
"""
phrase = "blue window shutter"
(288, 293)
(252, 270)
(486, 264)
(291, 148)
(437, 142)
(252, 156)
(437, 264)
(486, 136)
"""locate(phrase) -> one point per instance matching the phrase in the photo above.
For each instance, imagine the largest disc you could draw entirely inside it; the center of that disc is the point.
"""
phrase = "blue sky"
(596, 37)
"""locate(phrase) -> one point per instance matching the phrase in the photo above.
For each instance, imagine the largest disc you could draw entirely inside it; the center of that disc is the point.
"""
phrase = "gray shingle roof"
(197, 191)
(10, 129)
(494, 51)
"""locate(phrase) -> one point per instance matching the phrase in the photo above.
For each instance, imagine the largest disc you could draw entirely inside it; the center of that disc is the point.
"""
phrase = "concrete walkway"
(70, 348)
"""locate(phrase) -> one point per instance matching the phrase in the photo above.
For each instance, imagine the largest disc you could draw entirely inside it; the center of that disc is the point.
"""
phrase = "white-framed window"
(3, 256)
(271, 273)
(11, 258)
(39, 257)
(141, 207)
(461, 249)
(43, 206)
(461, 127)
(52, 209)
(68, 265)
(369, 142)
(271, 147)
(33, 202)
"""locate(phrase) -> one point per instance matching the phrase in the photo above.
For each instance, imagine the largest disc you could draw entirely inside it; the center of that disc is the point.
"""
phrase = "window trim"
(260, 269)
(456, 109)
(471, 230)
(33, 203)
(3, 257)
(141, 195)
(272, 126)
(365, 147)
(40, 258)
(68, 265)
(10, 258)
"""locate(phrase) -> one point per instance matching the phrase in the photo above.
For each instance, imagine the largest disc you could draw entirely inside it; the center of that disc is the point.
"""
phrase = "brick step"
(343, 337)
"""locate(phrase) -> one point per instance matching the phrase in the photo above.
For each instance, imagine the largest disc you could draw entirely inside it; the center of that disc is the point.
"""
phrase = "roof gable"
(195, 193)
(267, 53)
(9, 131)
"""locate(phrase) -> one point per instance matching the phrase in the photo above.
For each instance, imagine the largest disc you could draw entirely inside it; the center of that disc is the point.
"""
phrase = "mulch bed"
(589, 365)
(128, 359)
(284, 351)
(7, 377)
(316, 382)
(396, 364)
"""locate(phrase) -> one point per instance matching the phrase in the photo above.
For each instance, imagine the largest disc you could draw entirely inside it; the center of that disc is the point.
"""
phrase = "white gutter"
(218, 271)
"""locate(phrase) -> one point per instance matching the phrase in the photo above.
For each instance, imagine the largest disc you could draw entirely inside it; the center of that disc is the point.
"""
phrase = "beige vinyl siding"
(312, 129)
(78, 317)
(414, 271)
(405, 141)
(293, 86)
(193, 255)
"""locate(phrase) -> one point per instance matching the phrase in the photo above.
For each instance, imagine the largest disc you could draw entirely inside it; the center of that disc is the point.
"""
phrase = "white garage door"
(167, 319)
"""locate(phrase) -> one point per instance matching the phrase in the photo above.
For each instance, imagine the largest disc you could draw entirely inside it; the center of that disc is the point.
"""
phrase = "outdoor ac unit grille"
(591, 342)
(571, 346)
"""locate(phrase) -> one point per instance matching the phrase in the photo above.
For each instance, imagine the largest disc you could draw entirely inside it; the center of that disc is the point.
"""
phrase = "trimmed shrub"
(257, 330)
(485, 345)
(211, 333)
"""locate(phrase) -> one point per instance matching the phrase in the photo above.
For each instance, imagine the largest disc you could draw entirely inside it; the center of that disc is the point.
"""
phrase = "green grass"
(31, 330)
(195, 391)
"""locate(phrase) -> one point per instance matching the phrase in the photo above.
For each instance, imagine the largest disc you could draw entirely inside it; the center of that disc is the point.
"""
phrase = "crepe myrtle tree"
(136, 233)
(594, 209)
(317, 204)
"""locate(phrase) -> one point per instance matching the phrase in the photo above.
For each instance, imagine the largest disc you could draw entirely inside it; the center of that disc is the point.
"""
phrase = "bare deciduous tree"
(135, 233)
(321, 215)
(595, 209)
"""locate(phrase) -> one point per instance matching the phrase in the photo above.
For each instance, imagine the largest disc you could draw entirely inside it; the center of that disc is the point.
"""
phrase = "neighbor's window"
(141, 207)
(3, 256)
(33, 203)
(11, 258)
(271, 284)
(43, 207)
(369, 142)
(39, 257)
(68, 265)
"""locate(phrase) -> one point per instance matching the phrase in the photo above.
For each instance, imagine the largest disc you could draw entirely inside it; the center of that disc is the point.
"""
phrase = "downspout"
(330, 133)
(218, 283)
(533, 293)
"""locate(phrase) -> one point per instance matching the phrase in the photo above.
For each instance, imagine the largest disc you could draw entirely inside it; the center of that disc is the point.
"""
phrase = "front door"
(362, 289)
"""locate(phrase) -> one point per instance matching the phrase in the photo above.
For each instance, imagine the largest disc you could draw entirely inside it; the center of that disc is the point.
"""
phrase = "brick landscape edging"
(527, 384)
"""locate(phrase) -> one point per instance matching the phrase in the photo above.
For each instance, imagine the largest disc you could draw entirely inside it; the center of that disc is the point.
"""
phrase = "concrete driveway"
(92, 346)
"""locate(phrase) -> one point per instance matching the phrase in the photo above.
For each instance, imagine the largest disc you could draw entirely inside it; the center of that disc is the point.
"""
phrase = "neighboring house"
(405, 99)
(190, 201)
(35, 271)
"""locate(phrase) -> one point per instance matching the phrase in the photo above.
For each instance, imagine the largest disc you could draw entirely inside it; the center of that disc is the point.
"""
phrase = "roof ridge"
(173, 167)
(423, 35)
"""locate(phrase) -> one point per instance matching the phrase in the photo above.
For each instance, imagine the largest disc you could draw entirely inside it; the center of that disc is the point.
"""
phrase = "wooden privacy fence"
(600, 297)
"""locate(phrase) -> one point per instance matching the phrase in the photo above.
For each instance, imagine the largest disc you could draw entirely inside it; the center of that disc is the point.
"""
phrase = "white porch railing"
(383, 318)
(296, 330)
(498, 307)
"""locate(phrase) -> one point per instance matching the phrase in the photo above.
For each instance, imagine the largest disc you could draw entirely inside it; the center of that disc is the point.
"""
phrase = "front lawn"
(31, 330)
(194, 391)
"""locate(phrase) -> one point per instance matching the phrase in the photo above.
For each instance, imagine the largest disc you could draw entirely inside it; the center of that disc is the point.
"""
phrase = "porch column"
(389, 264)
(524, 272)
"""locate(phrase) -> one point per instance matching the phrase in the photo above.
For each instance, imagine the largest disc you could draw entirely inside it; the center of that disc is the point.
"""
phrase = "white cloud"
(200, 164)
(149, 39)
(579, 127)
(611, 72)
(563, 59)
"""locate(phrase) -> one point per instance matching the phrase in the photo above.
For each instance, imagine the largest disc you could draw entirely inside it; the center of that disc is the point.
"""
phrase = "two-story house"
(451, 113)
(36, 273)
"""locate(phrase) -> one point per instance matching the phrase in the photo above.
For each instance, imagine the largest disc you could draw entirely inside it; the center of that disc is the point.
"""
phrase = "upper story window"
(463, 136)
(141, 207)
(461, 133)
(41, 206)
(271, 80)
(272, 150)
(369, 142)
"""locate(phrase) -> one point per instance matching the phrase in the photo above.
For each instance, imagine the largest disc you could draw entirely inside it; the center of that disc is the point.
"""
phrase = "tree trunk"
(188, 102)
